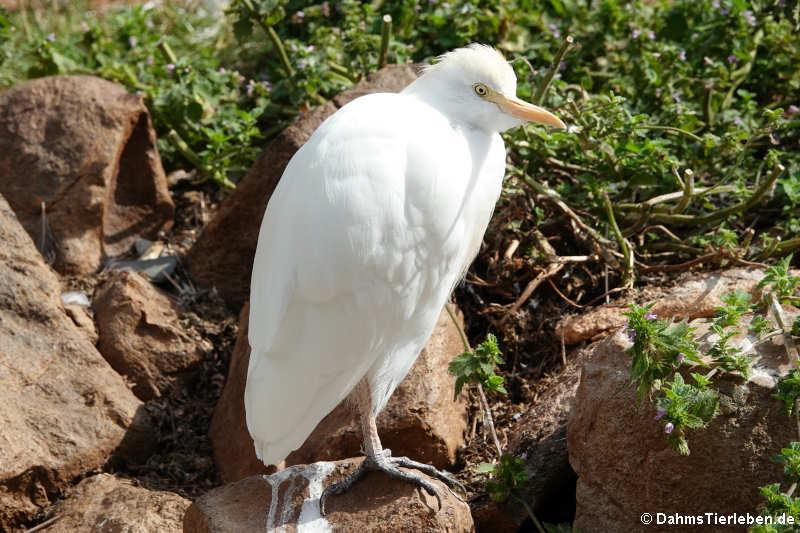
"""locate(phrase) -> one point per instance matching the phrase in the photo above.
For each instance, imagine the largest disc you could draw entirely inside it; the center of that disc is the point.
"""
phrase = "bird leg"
(378, 459)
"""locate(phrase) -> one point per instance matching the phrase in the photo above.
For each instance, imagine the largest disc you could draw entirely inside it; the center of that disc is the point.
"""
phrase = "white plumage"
(374, 221)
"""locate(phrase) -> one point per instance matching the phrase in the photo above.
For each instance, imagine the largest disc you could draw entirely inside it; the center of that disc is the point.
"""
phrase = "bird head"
(476, 85)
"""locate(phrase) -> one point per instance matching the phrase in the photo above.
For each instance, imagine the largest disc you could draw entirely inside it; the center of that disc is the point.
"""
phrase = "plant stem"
(777, 312)
(185, 150)
(278, 44)
(538, 97)
(623, 243)
(167, 52)
(386, 35)
(670, 129)
(720, 214)
(530, 513)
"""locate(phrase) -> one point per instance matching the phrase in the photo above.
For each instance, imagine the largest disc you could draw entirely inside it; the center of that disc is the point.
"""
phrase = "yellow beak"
(524, 111)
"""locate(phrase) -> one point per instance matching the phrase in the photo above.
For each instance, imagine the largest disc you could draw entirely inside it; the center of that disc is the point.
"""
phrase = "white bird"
(372, 224)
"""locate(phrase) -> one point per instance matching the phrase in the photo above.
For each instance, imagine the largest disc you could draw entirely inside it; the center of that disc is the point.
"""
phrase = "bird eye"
(481, 89)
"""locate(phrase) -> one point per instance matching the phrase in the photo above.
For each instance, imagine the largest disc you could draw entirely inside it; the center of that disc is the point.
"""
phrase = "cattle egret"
(375, 220)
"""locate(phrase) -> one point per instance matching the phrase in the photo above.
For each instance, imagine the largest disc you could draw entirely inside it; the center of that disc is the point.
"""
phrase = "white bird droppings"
(79, 298)
(310, 519)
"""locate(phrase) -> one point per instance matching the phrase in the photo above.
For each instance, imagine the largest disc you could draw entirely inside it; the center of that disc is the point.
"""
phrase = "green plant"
(779, 280)
(479, 367)
(737, 304)
(759, 325)
(728, 357)
(508, 476)
(659, 347)
(685, 406)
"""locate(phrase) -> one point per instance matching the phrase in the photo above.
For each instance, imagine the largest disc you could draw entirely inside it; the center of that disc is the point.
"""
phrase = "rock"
(420, 421)
(626, 467)
(106, 504)
(64, 410)
(140, 334)
(376, 503)
(219, 261)
(85, 148)
(694, 296)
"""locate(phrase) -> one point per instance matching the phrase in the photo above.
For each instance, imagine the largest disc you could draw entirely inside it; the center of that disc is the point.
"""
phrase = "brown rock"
(234, 452)
(64, 409)
(420, 421)
(626, 467)
(140, 334)
(82, 319)
(106, 504)
(225, 263)
(376, 503)
(86, 148)
(694, 296)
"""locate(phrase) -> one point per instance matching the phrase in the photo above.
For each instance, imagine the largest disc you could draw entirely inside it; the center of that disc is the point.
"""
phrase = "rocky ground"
(123, 321)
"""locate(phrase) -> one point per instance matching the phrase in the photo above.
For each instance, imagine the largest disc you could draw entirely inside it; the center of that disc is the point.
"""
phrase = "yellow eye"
(481, 89)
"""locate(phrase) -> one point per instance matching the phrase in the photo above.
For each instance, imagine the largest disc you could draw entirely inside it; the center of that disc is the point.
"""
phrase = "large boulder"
(695, 295)
(140, 333)
(626, 468)
(289, 500)
(421, 419)
(106, 504)
(219, 261)
(64, 410)
(83, 148)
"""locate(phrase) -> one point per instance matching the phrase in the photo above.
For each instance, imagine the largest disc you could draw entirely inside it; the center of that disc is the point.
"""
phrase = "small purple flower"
(749, 17)
(707, 60)
(523, 456)
(149, 24)
(150, 60)
(302, 64)
(682, 55)
(300, 15)
(554, 30)
(676, 97)
(51, 37)
(635, 34)
(222, 70)
(84, 27)
(659, 414)
(133, 41)
(715, 4)
(724, 11)
(293, 47)
(658, 92)
(310, 48)
(669, 427)
(651, 315)
(738, 121)
(733, 59)
(630, 332)
(250, 88)
(681, 357)
(651, 35)
(792, 110)
(170, 68)
(267, 85)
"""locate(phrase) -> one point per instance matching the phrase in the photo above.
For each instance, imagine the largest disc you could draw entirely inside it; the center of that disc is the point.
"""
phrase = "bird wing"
(340, 261)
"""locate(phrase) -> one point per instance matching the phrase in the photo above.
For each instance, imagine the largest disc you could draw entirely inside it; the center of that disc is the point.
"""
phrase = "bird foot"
(384, 462)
